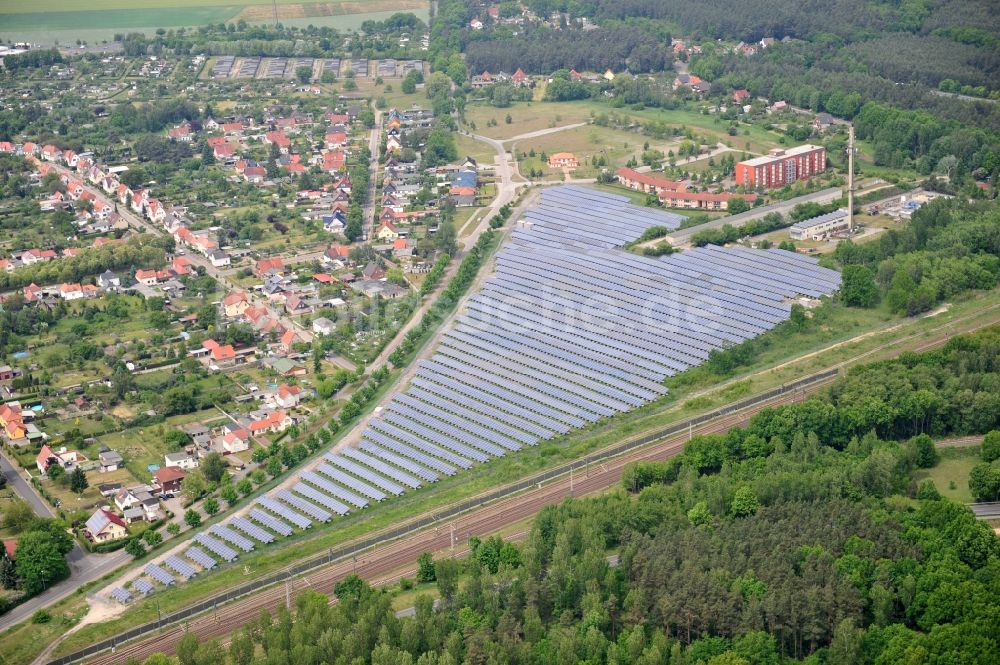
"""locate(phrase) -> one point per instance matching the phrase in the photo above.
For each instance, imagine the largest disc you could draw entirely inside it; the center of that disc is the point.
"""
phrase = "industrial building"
(817, 228)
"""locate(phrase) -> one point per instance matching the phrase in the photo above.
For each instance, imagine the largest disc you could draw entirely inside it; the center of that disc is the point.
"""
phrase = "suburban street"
(221, 276)
(83, 567)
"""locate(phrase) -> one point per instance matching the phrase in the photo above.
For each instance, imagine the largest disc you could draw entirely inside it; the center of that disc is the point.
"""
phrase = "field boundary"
(351, 549)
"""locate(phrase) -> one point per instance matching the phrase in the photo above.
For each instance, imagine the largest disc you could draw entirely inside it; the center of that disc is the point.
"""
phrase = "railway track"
(397, 554)
(394, 556)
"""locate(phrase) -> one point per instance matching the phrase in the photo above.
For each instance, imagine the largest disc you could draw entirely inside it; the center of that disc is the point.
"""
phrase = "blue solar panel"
(270, 521)
(143, 587)
(361, 472)
(179, 566)
(121, 595)
(251, 529)
(232, 537)
(286, 513)
(333, 489)
(198, 555)
(217, 547)
(351, 482)
(306, 507)
(158, 574)
(326, 500)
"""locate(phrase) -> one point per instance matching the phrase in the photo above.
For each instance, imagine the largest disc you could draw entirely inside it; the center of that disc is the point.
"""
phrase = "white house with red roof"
(275, 421)
(70, 291)
(285, 397)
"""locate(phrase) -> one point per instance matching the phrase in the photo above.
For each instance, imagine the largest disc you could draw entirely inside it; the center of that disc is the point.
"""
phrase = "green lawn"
(533, 116)
(481, 152)
(951, 475)
(615, 145)
(526, 117)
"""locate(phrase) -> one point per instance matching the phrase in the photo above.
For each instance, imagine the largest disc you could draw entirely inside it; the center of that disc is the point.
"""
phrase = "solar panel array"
(359, 66)
(180, 566)
(216, 547)
(332, 65)
(223, 66)
(275, 68)
(232, 537)
(121, 595)
(569, 330)
(158, 574)
(248, 68)
(143, 586)
(199, 556)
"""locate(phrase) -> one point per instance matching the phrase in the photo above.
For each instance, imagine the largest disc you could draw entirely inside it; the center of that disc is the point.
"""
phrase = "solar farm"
(229, 66)
(569, 329)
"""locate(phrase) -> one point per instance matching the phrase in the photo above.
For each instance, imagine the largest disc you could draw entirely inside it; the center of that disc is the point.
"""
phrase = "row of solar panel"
(558, 338)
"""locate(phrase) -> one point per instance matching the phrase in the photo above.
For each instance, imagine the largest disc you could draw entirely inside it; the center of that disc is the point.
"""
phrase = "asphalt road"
(16, 480)
(986, 511)
(83, 567)
(682, 237)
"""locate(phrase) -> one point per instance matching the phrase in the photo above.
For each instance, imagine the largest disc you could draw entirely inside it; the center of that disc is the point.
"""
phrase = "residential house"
(373, 271)
(278, 138)
(108, 280)
(70, 291)
(323, 326)
(295, 304)
(648, 182)
(104, 526)
(266, 267)
(219, 258)
(235, 440)
(285, 397)
(180, 460)
(387, 232)
(288, 340)
(110, 460)
(273, 421)
(563, 160)
(822, 121)
(702, 200)
(168, 479)
(216, 355)
(108, 490)
(235, 303)
(183, 133)
(285, 367)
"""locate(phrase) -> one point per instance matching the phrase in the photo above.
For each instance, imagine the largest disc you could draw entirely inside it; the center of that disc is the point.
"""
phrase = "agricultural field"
(65, 21)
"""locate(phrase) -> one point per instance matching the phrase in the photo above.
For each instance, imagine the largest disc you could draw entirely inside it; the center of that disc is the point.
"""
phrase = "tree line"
(89, 262)
(541, 51)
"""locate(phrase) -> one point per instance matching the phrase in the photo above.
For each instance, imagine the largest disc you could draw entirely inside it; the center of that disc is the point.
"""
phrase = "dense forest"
(948, 247)
(801, 538)
(542, 51)
(894, 66)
